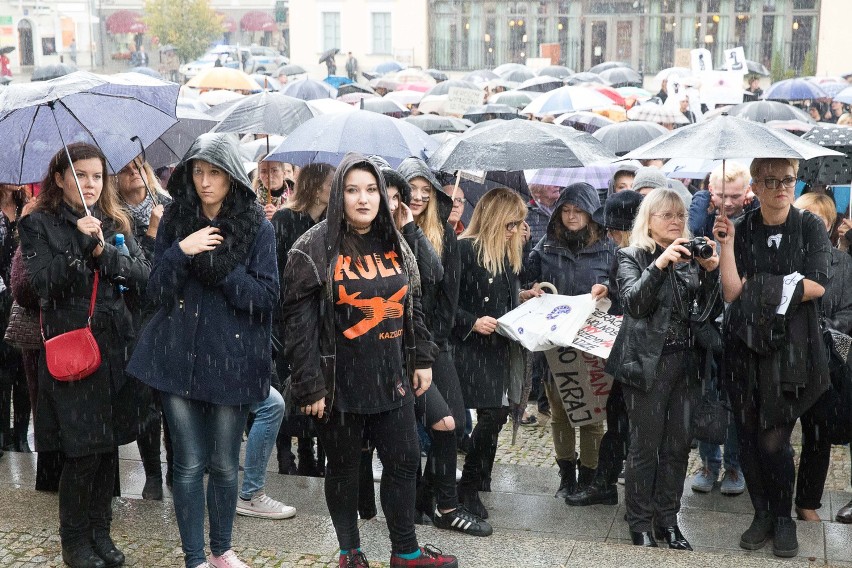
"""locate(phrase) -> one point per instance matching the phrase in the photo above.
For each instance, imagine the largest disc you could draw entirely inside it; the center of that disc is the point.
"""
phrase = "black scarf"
(238, 224)
(576, 240)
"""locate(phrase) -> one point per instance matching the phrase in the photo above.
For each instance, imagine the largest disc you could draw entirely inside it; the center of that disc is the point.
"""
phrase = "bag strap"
(678, 301)
(91, 307)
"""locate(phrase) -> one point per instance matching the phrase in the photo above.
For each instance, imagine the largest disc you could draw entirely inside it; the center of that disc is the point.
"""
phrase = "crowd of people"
(349, 306)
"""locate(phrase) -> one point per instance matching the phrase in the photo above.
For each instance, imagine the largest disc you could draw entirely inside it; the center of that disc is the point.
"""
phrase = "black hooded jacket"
(441, 296)
(308, 298)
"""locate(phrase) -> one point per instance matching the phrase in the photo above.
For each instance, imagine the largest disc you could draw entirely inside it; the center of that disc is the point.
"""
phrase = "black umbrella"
(434, 124)
(481, 113)
(622, 77)
(7, 49)
(172, 145)
(263, 113)
(558, 71)
(518, 75)
(541, 84)
(755, 68)
(48, 72)
(764, 111)
(444, 87)
(354, 88)
(829, 170)
(438, 75)
(607, 65)
(328, 54)
(519, 145)
(622, 137)
(586, 77)
(387, 107)
(290, 69)
(583, 120)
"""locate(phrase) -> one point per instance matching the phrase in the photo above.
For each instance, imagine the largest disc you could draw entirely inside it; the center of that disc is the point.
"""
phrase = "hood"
(580, 195)
(411, 168)
(626, 167)
(221, 151)
(334, 216)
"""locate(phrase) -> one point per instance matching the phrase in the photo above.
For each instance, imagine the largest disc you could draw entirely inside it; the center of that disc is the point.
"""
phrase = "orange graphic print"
(375, 310)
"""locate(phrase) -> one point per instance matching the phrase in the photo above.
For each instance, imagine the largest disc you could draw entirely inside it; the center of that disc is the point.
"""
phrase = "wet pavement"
(531, 528)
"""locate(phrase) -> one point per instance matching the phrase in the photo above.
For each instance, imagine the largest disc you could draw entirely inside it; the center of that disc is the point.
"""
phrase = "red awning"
(126, 22)
(257, 21)
(229, 25)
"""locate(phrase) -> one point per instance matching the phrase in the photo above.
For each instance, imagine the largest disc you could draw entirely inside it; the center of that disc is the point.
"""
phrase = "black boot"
(598, 492)
(105, 548)
(424, 503)
(585, 476)
(153, 489)
(21, 444)
(81, 555)
(366, 486)
(567, 478)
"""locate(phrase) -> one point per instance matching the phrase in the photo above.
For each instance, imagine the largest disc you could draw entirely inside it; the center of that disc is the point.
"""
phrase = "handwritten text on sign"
(582, 384)
(598, 334)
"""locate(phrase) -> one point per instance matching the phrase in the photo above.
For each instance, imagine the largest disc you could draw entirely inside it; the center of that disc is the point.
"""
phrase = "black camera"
(699, 248)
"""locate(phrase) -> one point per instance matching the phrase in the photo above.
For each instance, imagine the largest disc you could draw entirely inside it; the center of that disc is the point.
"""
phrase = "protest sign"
(459, 100)
(581, 383)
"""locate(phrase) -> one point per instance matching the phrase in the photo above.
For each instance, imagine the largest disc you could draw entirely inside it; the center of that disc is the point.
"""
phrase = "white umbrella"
(567, 99)
(661, 114)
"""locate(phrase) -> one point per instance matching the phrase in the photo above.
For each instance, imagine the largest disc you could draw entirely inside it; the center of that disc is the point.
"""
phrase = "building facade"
(373, 30)
(100, 34)
(647, 34)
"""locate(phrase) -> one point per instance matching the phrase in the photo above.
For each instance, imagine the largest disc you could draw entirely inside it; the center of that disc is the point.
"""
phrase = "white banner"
(597, 336)
(582, 384)
(735, 60)
(549, 321)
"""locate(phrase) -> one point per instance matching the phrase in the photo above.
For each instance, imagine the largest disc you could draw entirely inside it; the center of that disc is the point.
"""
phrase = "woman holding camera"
(775, 265)
(660, 276)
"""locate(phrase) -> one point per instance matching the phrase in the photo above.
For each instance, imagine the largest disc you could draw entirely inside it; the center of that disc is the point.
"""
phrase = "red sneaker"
(429, 556)
(355, 559)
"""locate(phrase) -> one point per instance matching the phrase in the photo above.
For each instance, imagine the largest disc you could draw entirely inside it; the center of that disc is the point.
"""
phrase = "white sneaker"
(227, 560)
(265, 507)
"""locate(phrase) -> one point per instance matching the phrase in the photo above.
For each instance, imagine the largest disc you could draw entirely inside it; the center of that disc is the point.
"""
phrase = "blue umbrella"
(794, 90)
(337, 81)
(329, 137)
(389, 67)
(309, 90)
(116, 113)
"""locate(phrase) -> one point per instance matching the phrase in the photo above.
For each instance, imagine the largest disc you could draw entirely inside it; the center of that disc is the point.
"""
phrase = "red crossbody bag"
(73, 355)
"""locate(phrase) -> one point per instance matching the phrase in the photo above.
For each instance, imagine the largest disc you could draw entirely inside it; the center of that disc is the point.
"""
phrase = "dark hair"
(394, 179)
(352, 243)
(308, 186)
(560, 230)
(51, 195)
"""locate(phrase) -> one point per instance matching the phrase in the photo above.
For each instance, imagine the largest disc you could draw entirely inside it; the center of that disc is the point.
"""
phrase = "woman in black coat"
(489, 366)
(656, 360)
(89, 418)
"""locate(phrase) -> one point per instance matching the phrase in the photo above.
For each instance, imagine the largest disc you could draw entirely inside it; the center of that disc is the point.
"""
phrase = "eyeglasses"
(772, 183)
(513, 225)
(458, 201)
(669, 217)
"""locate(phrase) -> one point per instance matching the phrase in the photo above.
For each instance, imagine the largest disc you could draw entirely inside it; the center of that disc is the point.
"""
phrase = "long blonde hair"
(660, 199)
(150, 177)
(487, 229)
(429, 221)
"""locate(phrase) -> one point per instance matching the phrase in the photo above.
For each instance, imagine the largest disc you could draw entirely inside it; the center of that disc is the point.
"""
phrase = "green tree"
(188, 25)
(777, 71)
(809, 64)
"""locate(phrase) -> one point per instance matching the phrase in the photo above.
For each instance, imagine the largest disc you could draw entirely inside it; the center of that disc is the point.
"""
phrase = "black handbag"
(712, 417)
(703, 331)
(833, 410)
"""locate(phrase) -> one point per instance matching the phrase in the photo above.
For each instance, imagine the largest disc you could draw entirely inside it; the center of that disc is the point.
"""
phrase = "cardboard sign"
(721, 88)
(459, 100)
(701, 60)
(582, 384)
(735, 60)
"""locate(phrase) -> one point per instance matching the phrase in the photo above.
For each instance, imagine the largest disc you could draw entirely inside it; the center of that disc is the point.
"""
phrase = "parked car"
(264, 60)
(251, 59)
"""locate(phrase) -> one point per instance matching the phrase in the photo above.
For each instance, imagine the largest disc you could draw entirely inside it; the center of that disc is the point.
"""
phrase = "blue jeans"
(711, 454)
(261, 439)
(204, 435)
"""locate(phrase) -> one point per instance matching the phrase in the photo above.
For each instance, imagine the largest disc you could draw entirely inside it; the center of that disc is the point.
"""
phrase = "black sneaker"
(785, 544)
(462, 520)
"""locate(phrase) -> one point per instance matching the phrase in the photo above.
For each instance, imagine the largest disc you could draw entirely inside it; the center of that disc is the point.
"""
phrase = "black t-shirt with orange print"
(369, 295)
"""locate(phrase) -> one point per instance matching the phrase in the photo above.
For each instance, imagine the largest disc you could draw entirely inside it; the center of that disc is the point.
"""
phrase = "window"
(330, 30)
(382, 32)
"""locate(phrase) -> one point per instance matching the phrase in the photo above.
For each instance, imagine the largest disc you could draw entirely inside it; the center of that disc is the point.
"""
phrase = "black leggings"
(483, 447)
(616, 439)
(766, 455)
(394, 435)
(813, 463)
(85, 497)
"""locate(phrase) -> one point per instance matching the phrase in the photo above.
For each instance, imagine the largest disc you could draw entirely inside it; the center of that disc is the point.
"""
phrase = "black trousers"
(483, 446)
(150, 434)
(394, 436)
(813, 463)
(766, 455)
(616, 439)
(85, 497)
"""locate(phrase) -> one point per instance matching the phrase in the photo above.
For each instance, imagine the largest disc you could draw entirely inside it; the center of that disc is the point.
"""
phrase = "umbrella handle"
(70, 163)
(141, 173)
(723, 234)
